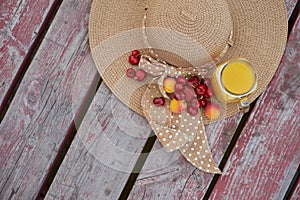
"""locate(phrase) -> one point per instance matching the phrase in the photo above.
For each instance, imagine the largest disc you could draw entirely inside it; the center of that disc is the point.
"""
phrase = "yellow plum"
(169, 84)
(178, 106)
(212, 111)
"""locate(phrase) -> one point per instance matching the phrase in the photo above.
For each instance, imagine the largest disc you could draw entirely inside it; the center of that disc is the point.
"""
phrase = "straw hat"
(255, 30)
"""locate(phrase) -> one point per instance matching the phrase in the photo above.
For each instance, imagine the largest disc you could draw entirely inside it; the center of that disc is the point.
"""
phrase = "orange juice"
(238, 77)
(234, 81)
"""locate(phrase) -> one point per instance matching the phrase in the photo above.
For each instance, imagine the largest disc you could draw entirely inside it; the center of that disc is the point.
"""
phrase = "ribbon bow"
(175, 131)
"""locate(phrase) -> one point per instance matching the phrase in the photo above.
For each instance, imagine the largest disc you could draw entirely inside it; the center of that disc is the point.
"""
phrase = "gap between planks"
(150, 142)
(28, 58)
(47, 84)
(295, 182)
(138, 166)
(244, 119)
(230, 148)
(141, 161)
(72, 130)
(293, 186)
(293, 18)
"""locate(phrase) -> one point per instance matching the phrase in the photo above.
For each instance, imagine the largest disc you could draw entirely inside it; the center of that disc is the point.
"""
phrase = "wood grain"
(20, 22)
(267, 156)
(103, 152)
(296, 193)
(180, 180)
(41, 112)
(290, 5)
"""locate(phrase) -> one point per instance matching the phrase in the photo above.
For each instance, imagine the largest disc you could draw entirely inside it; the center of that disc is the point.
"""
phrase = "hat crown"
(207, 22)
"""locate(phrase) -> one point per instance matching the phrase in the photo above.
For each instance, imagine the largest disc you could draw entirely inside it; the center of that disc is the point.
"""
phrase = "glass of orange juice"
(234, 81)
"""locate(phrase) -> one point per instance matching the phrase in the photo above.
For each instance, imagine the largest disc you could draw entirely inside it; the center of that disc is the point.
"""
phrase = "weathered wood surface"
(267, 156)
(296, 193)
(180, 180)
(43, 110)
(64, 185)
(103, 153)
(41, 113)
(290, 5)
(20, 22)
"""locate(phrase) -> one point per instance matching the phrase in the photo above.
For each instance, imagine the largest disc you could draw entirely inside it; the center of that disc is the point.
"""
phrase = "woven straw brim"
(259, 27)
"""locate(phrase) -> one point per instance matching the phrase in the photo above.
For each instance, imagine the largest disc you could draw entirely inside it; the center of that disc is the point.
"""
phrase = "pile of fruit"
(188, 93)
(134, 59)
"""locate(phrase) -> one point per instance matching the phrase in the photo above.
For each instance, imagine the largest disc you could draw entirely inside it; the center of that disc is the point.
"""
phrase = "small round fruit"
(179, 95)
(200, 89)
(181, 79)
(140, 75)
(192, 110)
(133, 60)
(209, 93)
(130, 73)
(135, 53)
(159, 101)
(178, 106)
(202, 103)
(169, 84)
(212, 111)
(194, 81)
(179, 86)
(194, 103)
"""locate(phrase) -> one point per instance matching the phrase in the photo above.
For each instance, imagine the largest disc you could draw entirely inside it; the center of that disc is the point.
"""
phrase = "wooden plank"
(290, 5)
(267, 156)
(296, 192)
(103, 152)
(20, 22)
(180, 180)
(42, 111)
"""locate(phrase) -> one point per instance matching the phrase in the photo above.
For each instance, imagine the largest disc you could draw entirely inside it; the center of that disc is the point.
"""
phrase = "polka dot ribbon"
(175, 131)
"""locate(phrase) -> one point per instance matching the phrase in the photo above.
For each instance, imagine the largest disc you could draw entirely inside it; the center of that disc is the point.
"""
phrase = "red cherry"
(135, 53)
(194, 103)
(194, 81)
(140, 74)
(130, 73)
(202, 103)
(189, 93)
(179, 95)
(201, 89)
(179, 86)
(192, 110)
(209, 93)
(133, 60)
(181, 79)
(159, 101)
